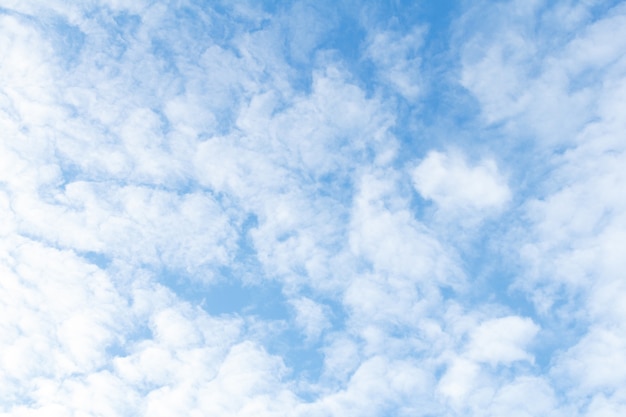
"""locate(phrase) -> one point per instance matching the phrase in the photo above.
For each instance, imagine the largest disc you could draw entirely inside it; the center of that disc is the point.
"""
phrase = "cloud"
(62, 313)
(152, 154)
(513, 399)
(398, 61)
(567, 97)
(474, 379)
(341, 357)
(447, 180)
(458, 380)
(502, 341)
(311, 317)
(379, 386)
(595, 362)
(407, 265)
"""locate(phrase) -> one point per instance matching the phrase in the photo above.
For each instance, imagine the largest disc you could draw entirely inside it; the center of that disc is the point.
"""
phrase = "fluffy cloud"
(564, 91)
(447, 180)
(154, 154)
(502, 340)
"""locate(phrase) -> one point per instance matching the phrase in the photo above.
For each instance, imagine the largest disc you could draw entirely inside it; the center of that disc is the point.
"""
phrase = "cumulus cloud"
(207, 209)
(502, 340)
(567, 98)
(448, 180)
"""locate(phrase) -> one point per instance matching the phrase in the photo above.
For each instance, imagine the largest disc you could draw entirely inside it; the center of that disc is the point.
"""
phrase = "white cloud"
(502, 341)
(534, 85)
(474, 382)
(311, 317)
(398, 60)
(379, 386)
(132, 158)
(341, 357)
(385, 232)
(62, 314)
(596, 362)
(459, 380)
(564, 92)
(453, 185)
(137, 223)
(525, 397)
(247, 384)
(607, 405)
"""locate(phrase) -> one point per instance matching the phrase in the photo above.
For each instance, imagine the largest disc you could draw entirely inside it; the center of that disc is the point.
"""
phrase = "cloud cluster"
(452, 185)
(157, 155)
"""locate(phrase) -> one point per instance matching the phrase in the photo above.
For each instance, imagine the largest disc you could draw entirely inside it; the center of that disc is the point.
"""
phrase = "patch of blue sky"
(68, 41)
(190, 30)
(493, 278)
(304, 359)
(231, 296)
(101, 260)
(602, 9)
(162, 50)
(238, 287)
(122, 347)
(127, 22)
(70, 172)
(264, 300)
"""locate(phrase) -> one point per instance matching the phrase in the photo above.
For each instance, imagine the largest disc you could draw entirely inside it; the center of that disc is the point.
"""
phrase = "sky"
(312, 208)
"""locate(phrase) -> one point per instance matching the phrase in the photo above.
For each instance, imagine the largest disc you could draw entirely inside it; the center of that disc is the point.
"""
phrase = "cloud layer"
(309, 209)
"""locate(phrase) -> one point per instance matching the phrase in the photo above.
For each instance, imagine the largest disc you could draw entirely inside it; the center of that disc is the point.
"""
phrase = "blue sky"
(303, 208)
